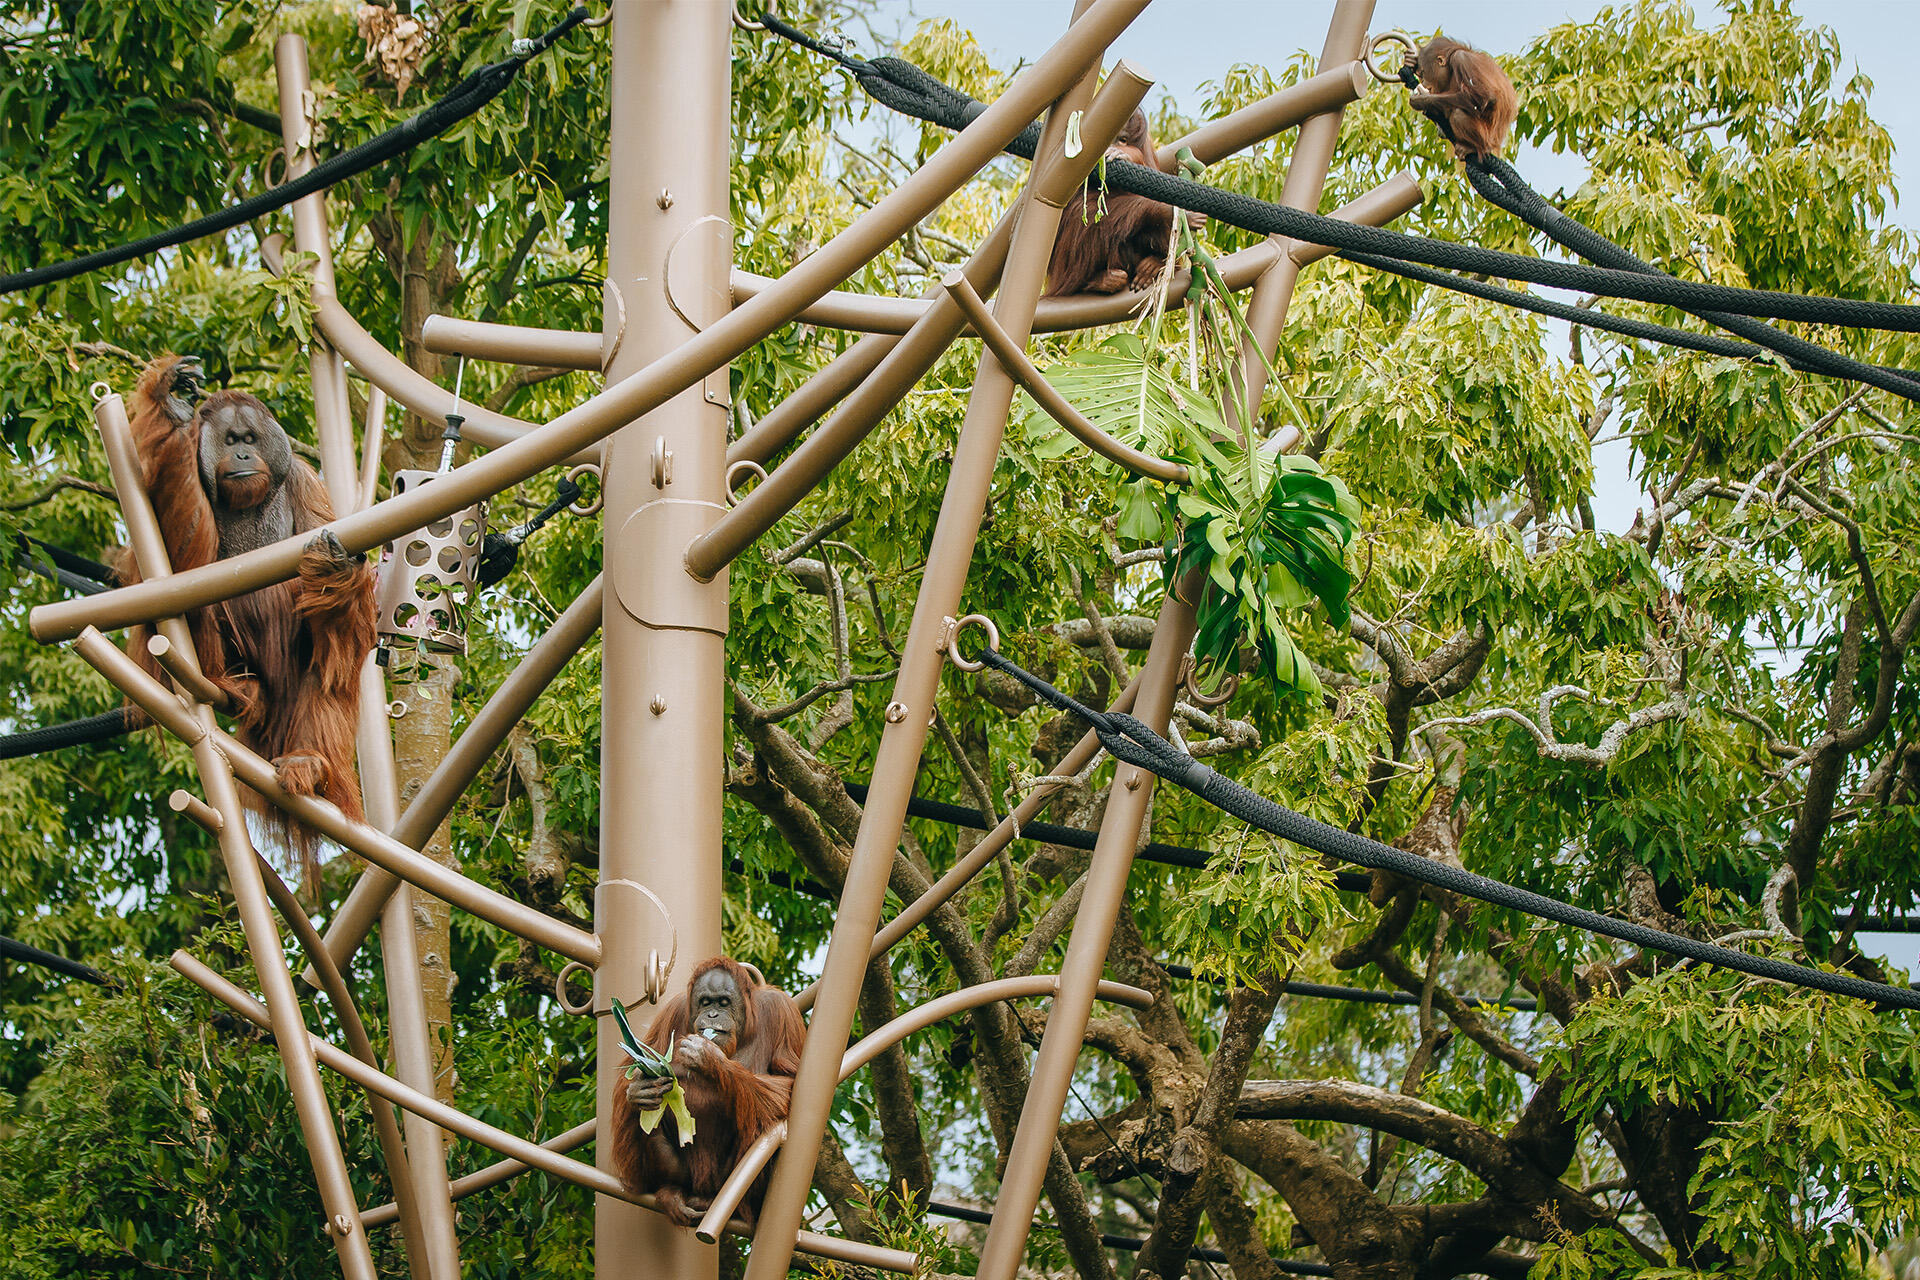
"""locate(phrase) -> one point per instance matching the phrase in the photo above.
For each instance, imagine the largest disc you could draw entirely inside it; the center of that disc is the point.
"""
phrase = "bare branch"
(1540, 726)
(55, 485)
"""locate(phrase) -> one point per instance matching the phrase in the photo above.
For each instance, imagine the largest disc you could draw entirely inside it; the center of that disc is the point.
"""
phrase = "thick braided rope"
(1130, 740)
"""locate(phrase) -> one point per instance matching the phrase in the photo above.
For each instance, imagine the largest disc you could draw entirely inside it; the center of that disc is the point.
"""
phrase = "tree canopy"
(1708, 722)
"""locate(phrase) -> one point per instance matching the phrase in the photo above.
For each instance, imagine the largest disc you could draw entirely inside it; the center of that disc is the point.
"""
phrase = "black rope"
(21, 953)
(786, 31)
(1360, 995)
(1172, 855)
(70, 561)
(908, 89)
(499, 552)
(1501, 185)
(1130, 740)
(465, 98)
(72, 733)
(1644, 330)
(76, 573)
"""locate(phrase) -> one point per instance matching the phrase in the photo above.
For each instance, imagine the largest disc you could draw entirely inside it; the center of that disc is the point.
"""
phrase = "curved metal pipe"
(1047, 396)
(458, 1121)
(464, 760)
(1258, 121)
(871, 1046)
(405, 386)
(402, 383)
(754, 1159)
(491, 1176)
(734, 1189)
(385, 1124)
(587, 424)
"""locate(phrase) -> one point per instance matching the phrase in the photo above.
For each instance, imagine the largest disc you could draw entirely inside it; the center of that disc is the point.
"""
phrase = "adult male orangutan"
(223, 480)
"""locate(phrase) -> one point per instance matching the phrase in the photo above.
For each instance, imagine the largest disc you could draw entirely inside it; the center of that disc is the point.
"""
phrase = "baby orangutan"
(1467, 94)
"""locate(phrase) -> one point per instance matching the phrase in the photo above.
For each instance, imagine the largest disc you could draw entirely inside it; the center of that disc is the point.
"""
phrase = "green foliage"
(1267, 531)
(154, 1144)
(1811, 1161)
(1443, 490)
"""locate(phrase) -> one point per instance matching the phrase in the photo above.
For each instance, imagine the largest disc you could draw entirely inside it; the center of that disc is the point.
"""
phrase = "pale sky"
(1182, 43)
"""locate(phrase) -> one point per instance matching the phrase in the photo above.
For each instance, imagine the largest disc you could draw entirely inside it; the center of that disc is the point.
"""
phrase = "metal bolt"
(664, 199)
(341, 1225)
(896, 712)
(658, 706)
(1133, 782)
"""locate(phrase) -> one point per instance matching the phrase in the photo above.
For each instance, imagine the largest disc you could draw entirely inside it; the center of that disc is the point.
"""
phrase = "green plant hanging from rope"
(1270, 530)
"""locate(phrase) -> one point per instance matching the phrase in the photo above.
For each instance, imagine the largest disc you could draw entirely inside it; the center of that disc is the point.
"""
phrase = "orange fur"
(733, 1100)
(289, 654)
(1124, 246)
(1467, 93)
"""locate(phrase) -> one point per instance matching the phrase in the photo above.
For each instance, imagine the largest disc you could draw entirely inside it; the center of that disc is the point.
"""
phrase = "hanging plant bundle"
(1270, 530)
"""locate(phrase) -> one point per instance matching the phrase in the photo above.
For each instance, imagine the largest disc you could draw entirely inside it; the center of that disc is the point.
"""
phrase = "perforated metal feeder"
(427, 576)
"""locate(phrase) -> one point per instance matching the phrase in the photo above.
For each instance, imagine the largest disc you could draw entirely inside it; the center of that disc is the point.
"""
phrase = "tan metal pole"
(512, 343)
(985, 851)
(881, 317)
(420, 1253)
(1101, 901)
(310, 236)
(897, 761)
(433, 1246)
(407, 1034)
(194, 724)
(872, 1045)
(1333, 88)
(904, 364)
(289, 1027)
(1079, 979)
(663, 646)
(470, 753)
(373, 845)
(542, 1157)
(1306, 179)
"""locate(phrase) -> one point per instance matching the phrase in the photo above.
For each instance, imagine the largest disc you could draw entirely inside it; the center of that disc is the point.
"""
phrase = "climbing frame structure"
(676, 312)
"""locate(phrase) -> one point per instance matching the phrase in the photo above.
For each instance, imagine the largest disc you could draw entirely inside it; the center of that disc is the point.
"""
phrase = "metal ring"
(560, 988)
(600, 21)
(100, 390)
(1373, 47)
(748, 464)
(654, 981)
(744, 25)
(953, 640)
(396, 709)
(1189, 676)
(592, 508)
